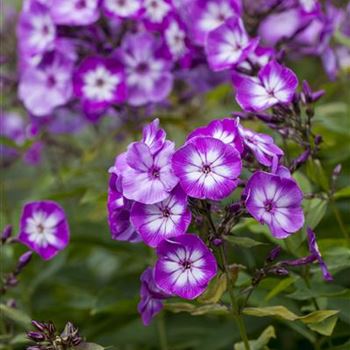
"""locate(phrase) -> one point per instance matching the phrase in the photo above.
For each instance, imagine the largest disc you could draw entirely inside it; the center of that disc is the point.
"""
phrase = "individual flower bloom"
(275, 201)
(99, 83)
(184, 267)
(148, 178)
(44, 228)
(162, 220)
(36, 30)
(274, 84)
(207, 168)
(152, 297)
(175, 39)
(75, 12)
(262, 146)
(225, 130)
(122, 8)
(203, 16)
(47, 86)
(155, 12)
(314, 250)
(228, 44)
(153, 136)
(147, 74)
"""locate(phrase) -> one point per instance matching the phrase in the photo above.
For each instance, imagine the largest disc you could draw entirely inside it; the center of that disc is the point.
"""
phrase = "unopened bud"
(280, 271)
(23, 260)
(11, 303)
(307, 91)
(36, 336)
(318, 140)
(301, 159)
(35, 347)
(274, 253)
(6, 233)
(217, 242)
(11, 281)
(317, 95)
(51, 328)
(39, 325)
(265, 117)
(337, 171)
(235, 208)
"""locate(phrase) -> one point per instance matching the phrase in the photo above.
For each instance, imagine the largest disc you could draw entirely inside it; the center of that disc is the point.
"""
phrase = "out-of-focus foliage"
(95, 281)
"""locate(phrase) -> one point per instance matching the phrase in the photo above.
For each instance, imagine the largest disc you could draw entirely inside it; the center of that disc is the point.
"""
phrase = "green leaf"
(179, 307)
(315, 209)
(324, 327)
(318, 316)
(215, 290)
(6, 141)
(245, 242)
(210, 309)
(280, 287)
(261, 342)
(316, 173)
(88, 346)
(15, 316)
(275, 311)
(343, 193)
(341, 39)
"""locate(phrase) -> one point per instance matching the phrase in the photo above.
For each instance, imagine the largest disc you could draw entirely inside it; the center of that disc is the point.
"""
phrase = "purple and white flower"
(44, 228)
(275, 201)
(225, 130)
(47, 86)
(313, 247)
(228, 45)
(162, 220)
(99, 83)
(122, 8)
(274, 84)
(152, 297)
(203, 16)
(148, 75)
(156, 11)
(175, 39)
(207, 168)
(147, 178)
(184, 267)
(153, 136)
(262, 146)
(36, 30)
(75, 12)
(119, 212)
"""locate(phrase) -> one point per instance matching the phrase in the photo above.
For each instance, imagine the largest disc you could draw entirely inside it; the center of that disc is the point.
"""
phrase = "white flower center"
(122, 8)
(156, 10)
(175, 38)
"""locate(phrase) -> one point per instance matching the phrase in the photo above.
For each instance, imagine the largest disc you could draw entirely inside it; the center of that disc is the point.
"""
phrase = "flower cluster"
(95, 55)
(154, 188)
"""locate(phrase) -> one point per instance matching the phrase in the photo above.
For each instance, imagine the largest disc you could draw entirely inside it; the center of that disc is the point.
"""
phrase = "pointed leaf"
(261, 342)
(245, 242)
(275, 311)
(325, 327)
(215, 290)
(15, 315)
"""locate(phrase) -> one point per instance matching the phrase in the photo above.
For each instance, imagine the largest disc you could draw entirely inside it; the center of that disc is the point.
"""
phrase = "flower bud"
(217, 242)
(318, 140)
(51, 328)
(6, 233)
(274, 253)
(11, 303)
(307, 91)
(35, 347)
(317, 95)
(337, 171)
(23, 260)
(39, 325)
(36, 336)
(235, 207)
(279, 271)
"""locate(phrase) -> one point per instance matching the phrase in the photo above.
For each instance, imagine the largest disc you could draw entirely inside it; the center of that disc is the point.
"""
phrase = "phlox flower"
(184, 267)
(44, 228)
(207, 168)
(276, 201)
(162, 220)
(122, 8)
(274, 84)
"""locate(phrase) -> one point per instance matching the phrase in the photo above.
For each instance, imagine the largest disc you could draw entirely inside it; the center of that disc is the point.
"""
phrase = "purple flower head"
(313, 247)
(225, 130)
(162, 220)
(36, 30)
(184, 267)
(44, 228)
(153, 136)
(228, 45)
(47, 86)
(122, 8)
(274, 84)
(148, 75)
(152, 297)
(156, 12)
(119, 212)
(203, 16)
(99, 83)
(207, 168)
(262, 146)
(148, 178)
(75, 12)
(275, 201)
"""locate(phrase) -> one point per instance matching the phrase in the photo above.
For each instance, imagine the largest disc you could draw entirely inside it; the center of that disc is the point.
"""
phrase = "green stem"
(235, 308)
(162, 332)
(339, 219)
